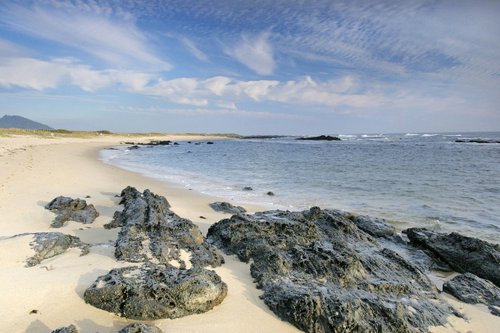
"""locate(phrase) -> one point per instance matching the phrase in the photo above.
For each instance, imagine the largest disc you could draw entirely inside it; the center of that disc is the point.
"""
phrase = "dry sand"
(39, 299)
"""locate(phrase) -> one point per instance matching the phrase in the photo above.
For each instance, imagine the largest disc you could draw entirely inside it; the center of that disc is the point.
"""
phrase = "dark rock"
(133, 147)
(203, 217)
(476, 141)
(247, 188)
(150, 231)
(462, 253)
(160, 143)
(226, 207)
(321, 138)
(270, 193)
(210, 143)
(473, 290)
(68, 329)
(322, 273)
(154, 292)
(176, 143)
(68, 209)
(50, 244)
(376, 227)
(34, 311)
(140, 328)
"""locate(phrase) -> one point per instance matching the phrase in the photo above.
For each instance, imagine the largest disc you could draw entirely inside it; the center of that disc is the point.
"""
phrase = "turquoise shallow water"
(412, 179)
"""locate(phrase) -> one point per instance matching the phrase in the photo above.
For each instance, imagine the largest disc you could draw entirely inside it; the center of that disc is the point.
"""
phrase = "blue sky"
(260, 67)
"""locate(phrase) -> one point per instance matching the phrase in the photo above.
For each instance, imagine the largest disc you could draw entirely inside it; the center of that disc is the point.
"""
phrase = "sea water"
(411, 179)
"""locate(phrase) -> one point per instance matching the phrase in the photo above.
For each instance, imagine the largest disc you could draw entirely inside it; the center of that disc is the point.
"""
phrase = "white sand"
(33, 171)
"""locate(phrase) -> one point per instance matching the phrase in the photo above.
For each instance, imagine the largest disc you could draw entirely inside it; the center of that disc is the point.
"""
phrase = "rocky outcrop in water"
(68, 329)
(462, 253)
(150, 231)
(323, 273)
(50, 244)
(155, 236)
(140, 328)
(68, 209)
(226, 207)
(321, 138)
(476, 141)
(153, 292)
(473, 290)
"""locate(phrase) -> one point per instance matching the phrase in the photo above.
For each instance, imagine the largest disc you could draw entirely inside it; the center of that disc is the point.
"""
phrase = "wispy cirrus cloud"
(118, 42)
(193, 49)
(254, 52)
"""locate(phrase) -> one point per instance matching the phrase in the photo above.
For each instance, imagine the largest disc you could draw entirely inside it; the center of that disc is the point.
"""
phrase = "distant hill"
(21, 122)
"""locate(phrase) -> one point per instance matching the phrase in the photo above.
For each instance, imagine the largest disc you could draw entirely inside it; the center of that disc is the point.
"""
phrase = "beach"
(47, 296)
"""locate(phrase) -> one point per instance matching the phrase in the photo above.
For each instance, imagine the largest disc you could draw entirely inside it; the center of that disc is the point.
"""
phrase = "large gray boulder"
(462, 253)
(68, 209)
(473, 290)
(50, 244)
(323, 273)
(152, 292)
(150, 231)
(154, 236)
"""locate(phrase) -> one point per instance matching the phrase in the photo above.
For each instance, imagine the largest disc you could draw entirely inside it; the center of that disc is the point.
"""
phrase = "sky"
(253, 67)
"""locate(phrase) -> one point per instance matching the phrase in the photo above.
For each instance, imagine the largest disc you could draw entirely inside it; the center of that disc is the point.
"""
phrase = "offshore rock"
(462, 253)
(226, 207)
(50, 244)
(321, 138)
(68, 209)
(321, 272)
(473, 290)
(68, 329)
(153, 292)
(140, 328)
(150, 231)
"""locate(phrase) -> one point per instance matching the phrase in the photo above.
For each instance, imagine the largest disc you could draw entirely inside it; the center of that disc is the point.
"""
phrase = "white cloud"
(116, 41)
(217, 85)
(193, 49)
(254, 52)
(222, 93)
(42, 75)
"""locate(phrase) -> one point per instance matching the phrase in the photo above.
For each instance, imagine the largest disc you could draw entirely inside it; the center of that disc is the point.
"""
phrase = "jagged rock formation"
(155, 236)
(473, 290)
(462, 253)
(152, 232)
(50, 244)
(140, 328)
(226, 207)
(68, 329)
(153, 292)
(321, 272)
(68, 209)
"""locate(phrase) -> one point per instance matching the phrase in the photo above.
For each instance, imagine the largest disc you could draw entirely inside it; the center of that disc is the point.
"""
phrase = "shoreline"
(34, 172)
(37, 172)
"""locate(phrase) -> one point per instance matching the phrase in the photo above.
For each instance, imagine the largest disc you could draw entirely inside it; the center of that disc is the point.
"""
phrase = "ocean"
(410, 179)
